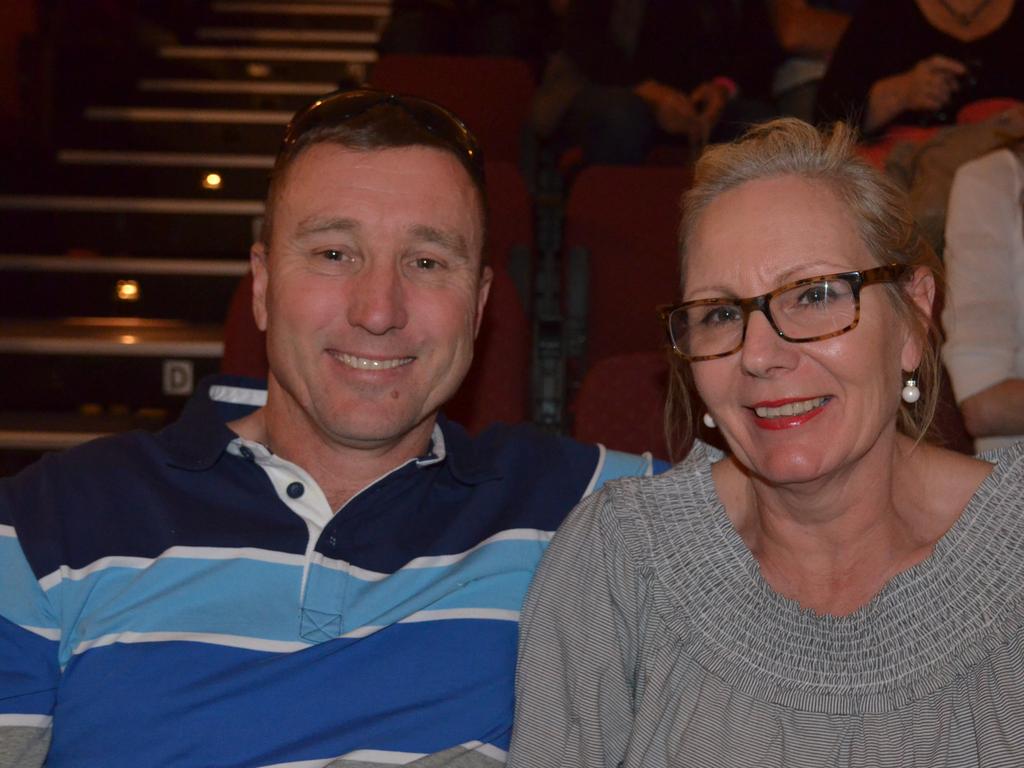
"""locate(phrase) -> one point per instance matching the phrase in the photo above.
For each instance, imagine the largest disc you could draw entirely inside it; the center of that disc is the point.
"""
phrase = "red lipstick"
(786, 422)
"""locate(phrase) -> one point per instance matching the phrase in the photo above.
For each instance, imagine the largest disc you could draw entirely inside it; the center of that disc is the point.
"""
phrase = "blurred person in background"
(984, 313)
(918, 61)
(808, 32)
(633, 73)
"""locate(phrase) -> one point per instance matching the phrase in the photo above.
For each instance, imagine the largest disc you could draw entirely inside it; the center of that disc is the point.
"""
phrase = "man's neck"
(341, 468)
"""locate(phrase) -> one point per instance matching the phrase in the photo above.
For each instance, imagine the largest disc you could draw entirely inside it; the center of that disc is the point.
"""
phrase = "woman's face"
(793, 412)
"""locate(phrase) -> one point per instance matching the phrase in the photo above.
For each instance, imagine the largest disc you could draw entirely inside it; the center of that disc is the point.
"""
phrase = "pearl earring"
(708, 421)
(911, 393)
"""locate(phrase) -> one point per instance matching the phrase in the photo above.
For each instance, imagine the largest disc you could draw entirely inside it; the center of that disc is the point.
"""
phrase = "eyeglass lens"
(802, 313)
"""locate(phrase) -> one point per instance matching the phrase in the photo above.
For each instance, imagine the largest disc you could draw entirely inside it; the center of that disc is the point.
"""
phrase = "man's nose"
(376, 300)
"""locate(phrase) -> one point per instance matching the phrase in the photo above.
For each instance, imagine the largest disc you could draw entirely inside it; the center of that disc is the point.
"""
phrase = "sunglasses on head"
(343, 106)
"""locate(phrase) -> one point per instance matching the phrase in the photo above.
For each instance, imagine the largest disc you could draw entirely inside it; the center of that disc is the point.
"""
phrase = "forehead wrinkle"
(314, 224)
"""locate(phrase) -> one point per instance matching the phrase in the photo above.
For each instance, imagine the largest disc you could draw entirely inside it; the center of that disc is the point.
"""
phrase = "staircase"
(120, 247)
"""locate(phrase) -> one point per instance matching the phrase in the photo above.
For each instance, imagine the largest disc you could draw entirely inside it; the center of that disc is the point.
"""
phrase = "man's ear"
(483, 291)
(260, 277)
(921, 290)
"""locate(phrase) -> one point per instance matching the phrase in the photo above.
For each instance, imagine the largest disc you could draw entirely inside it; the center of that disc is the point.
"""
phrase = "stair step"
(266, 35)
(186, 115)
(193, 86)
(256, 69)
(364, 9)
(258, 54)
(111, 337)
(207, 182)
(53, 287)
(199, 229)
(169, 159)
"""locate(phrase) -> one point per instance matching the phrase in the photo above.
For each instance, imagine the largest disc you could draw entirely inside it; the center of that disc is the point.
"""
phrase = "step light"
(128, 290)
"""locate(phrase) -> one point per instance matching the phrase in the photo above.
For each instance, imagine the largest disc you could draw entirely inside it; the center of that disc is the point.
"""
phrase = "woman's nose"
(764, 350)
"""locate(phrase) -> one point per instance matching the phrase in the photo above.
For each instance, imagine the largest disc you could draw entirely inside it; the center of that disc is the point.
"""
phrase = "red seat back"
(626, 220)
(492, 95)
(621, 403)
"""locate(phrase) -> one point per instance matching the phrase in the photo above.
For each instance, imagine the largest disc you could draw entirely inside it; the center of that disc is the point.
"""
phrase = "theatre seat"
(491, 94)
(621, 403)
(620, 257)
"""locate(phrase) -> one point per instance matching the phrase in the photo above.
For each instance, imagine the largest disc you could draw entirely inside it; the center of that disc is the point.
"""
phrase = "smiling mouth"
(796, 408)
(368, 364)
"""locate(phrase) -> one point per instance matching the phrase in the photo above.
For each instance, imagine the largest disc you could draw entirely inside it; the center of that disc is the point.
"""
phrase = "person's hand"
(709, 99)
(673, 109)
(931, 83)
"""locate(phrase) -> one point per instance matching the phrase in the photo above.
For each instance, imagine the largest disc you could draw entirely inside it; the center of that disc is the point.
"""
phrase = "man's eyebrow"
(315, 224)
(453, 242)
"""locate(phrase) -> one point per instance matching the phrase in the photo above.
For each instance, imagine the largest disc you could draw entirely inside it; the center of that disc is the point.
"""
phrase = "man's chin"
(369, 430)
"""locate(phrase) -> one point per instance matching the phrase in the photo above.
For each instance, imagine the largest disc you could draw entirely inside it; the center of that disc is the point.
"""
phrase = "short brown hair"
(387, 125)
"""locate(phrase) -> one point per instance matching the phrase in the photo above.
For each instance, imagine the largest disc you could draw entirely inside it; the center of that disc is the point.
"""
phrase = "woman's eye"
(818, 295)
(721, 315)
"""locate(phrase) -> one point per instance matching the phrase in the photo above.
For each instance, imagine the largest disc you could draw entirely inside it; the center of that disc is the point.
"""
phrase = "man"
(334, 577)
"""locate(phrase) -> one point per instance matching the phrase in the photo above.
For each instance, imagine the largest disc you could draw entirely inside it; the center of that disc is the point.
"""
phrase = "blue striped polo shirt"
(189, 599)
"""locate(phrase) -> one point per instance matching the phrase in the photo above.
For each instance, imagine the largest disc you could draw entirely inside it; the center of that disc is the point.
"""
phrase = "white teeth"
(790, 409)
(365, 364)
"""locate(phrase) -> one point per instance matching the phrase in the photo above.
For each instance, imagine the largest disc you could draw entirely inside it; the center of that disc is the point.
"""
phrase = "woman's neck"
(833, 544)
(966, 20)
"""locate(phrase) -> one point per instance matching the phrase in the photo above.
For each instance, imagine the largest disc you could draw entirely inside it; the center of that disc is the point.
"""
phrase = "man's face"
(371, 292)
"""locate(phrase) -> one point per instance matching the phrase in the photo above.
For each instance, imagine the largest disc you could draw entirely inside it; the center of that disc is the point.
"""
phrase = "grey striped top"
(650, 638)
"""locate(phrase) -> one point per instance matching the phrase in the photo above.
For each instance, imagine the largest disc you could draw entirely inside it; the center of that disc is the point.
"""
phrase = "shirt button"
(295, 490)
(246, 453)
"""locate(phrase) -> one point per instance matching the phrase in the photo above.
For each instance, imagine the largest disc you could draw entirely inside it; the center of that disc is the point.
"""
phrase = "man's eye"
(424, 262)
(333, 254)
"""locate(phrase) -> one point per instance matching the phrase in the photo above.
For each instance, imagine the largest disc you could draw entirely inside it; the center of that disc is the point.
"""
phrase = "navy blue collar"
(198, 439)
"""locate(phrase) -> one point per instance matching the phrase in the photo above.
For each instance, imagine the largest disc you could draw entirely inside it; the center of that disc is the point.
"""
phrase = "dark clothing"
(680, 44)
(518, 28)
(611, 46)
(887, 37)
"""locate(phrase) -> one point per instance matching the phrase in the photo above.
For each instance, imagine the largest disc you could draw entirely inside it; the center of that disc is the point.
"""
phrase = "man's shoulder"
(525, 452)
(98, 461)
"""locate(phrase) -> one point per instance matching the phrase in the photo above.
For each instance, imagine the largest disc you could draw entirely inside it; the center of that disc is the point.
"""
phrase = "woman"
(917, 61)
(834, 591)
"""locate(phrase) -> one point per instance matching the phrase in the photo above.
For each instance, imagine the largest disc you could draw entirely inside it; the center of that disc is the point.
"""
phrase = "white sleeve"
(983, 234)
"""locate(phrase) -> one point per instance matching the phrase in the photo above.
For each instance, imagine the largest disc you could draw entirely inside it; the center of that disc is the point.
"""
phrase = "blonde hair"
(878, 209)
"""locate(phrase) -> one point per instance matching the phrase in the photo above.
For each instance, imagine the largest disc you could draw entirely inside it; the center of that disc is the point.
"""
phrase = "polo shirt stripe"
(133, 599)
(492, 614)
(197, 553)
(222, 709)
(16, 648)
(435, 561)
(25, 721)
(20, 597)
(230, 641)
(615, 464)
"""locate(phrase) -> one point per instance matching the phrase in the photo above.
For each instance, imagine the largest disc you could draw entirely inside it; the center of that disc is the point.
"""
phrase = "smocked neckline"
(929, 623)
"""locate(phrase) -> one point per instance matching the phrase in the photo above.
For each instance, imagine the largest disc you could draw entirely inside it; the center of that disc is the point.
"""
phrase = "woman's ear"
(921, 291)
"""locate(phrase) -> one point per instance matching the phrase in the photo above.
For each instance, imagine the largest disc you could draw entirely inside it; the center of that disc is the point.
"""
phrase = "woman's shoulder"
(686, 486)
(1003, 487)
